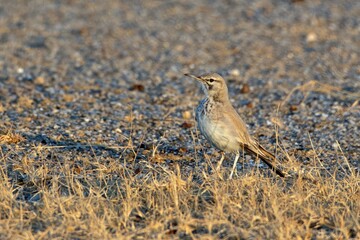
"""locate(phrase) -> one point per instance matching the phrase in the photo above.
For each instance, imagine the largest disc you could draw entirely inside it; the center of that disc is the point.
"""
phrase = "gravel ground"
(105, 78)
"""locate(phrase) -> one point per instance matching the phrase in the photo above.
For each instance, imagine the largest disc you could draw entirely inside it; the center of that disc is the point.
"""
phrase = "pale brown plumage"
(221, 125)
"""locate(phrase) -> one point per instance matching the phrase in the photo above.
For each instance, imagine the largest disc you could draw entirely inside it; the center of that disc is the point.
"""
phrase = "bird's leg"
(234, 165)
(221, 160)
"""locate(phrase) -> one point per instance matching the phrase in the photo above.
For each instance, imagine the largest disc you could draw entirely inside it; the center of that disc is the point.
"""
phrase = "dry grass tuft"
(92, 199)
(10, 137)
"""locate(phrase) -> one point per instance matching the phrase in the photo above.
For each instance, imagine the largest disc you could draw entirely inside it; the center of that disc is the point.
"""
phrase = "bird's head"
(212, 83)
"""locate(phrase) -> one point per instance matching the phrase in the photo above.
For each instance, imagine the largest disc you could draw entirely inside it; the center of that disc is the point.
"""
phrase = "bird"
(223, 127)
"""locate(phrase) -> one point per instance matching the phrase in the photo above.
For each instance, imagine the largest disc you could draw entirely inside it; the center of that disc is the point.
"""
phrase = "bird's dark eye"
(211, 80)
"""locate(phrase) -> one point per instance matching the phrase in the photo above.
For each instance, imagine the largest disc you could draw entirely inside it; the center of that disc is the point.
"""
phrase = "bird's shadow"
(70, 145)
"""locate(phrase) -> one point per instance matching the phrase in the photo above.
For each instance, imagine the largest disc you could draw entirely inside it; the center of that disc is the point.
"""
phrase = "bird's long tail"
(267, 157)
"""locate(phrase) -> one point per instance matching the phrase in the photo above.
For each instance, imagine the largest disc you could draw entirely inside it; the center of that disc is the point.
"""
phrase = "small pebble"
(250, 105)
(311, 37)
(137, 87)
(186, 125)
(186, 114)
(245, 88)
(235, 72)
(293, 108)
(40, 80)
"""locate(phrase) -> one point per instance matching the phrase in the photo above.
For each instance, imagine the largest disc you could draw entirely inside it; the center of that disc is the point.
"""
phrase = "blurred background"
(69, 65)
(127, 41)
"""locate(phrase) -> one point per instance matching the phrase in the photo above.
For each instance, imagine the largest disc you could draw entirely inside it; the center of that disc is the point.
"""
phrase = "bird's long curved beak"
(193, 76)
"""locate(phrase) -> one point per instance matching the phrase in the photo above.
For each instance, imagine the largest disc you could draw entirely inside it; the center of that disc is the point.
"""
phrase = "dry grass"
(118, 64)
(315, 86)
(45, 192)
(10, 137)
(42, 199)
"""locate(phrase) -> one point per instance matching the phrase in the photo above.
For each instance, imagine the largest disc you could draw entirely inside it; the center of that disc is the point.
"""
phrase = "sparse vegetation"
(84, 198)
(97, 131)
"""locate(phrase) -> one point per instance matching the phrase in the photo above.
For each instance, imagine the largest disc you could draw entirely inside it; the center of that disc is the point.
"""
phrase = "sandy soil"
(95, 108)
